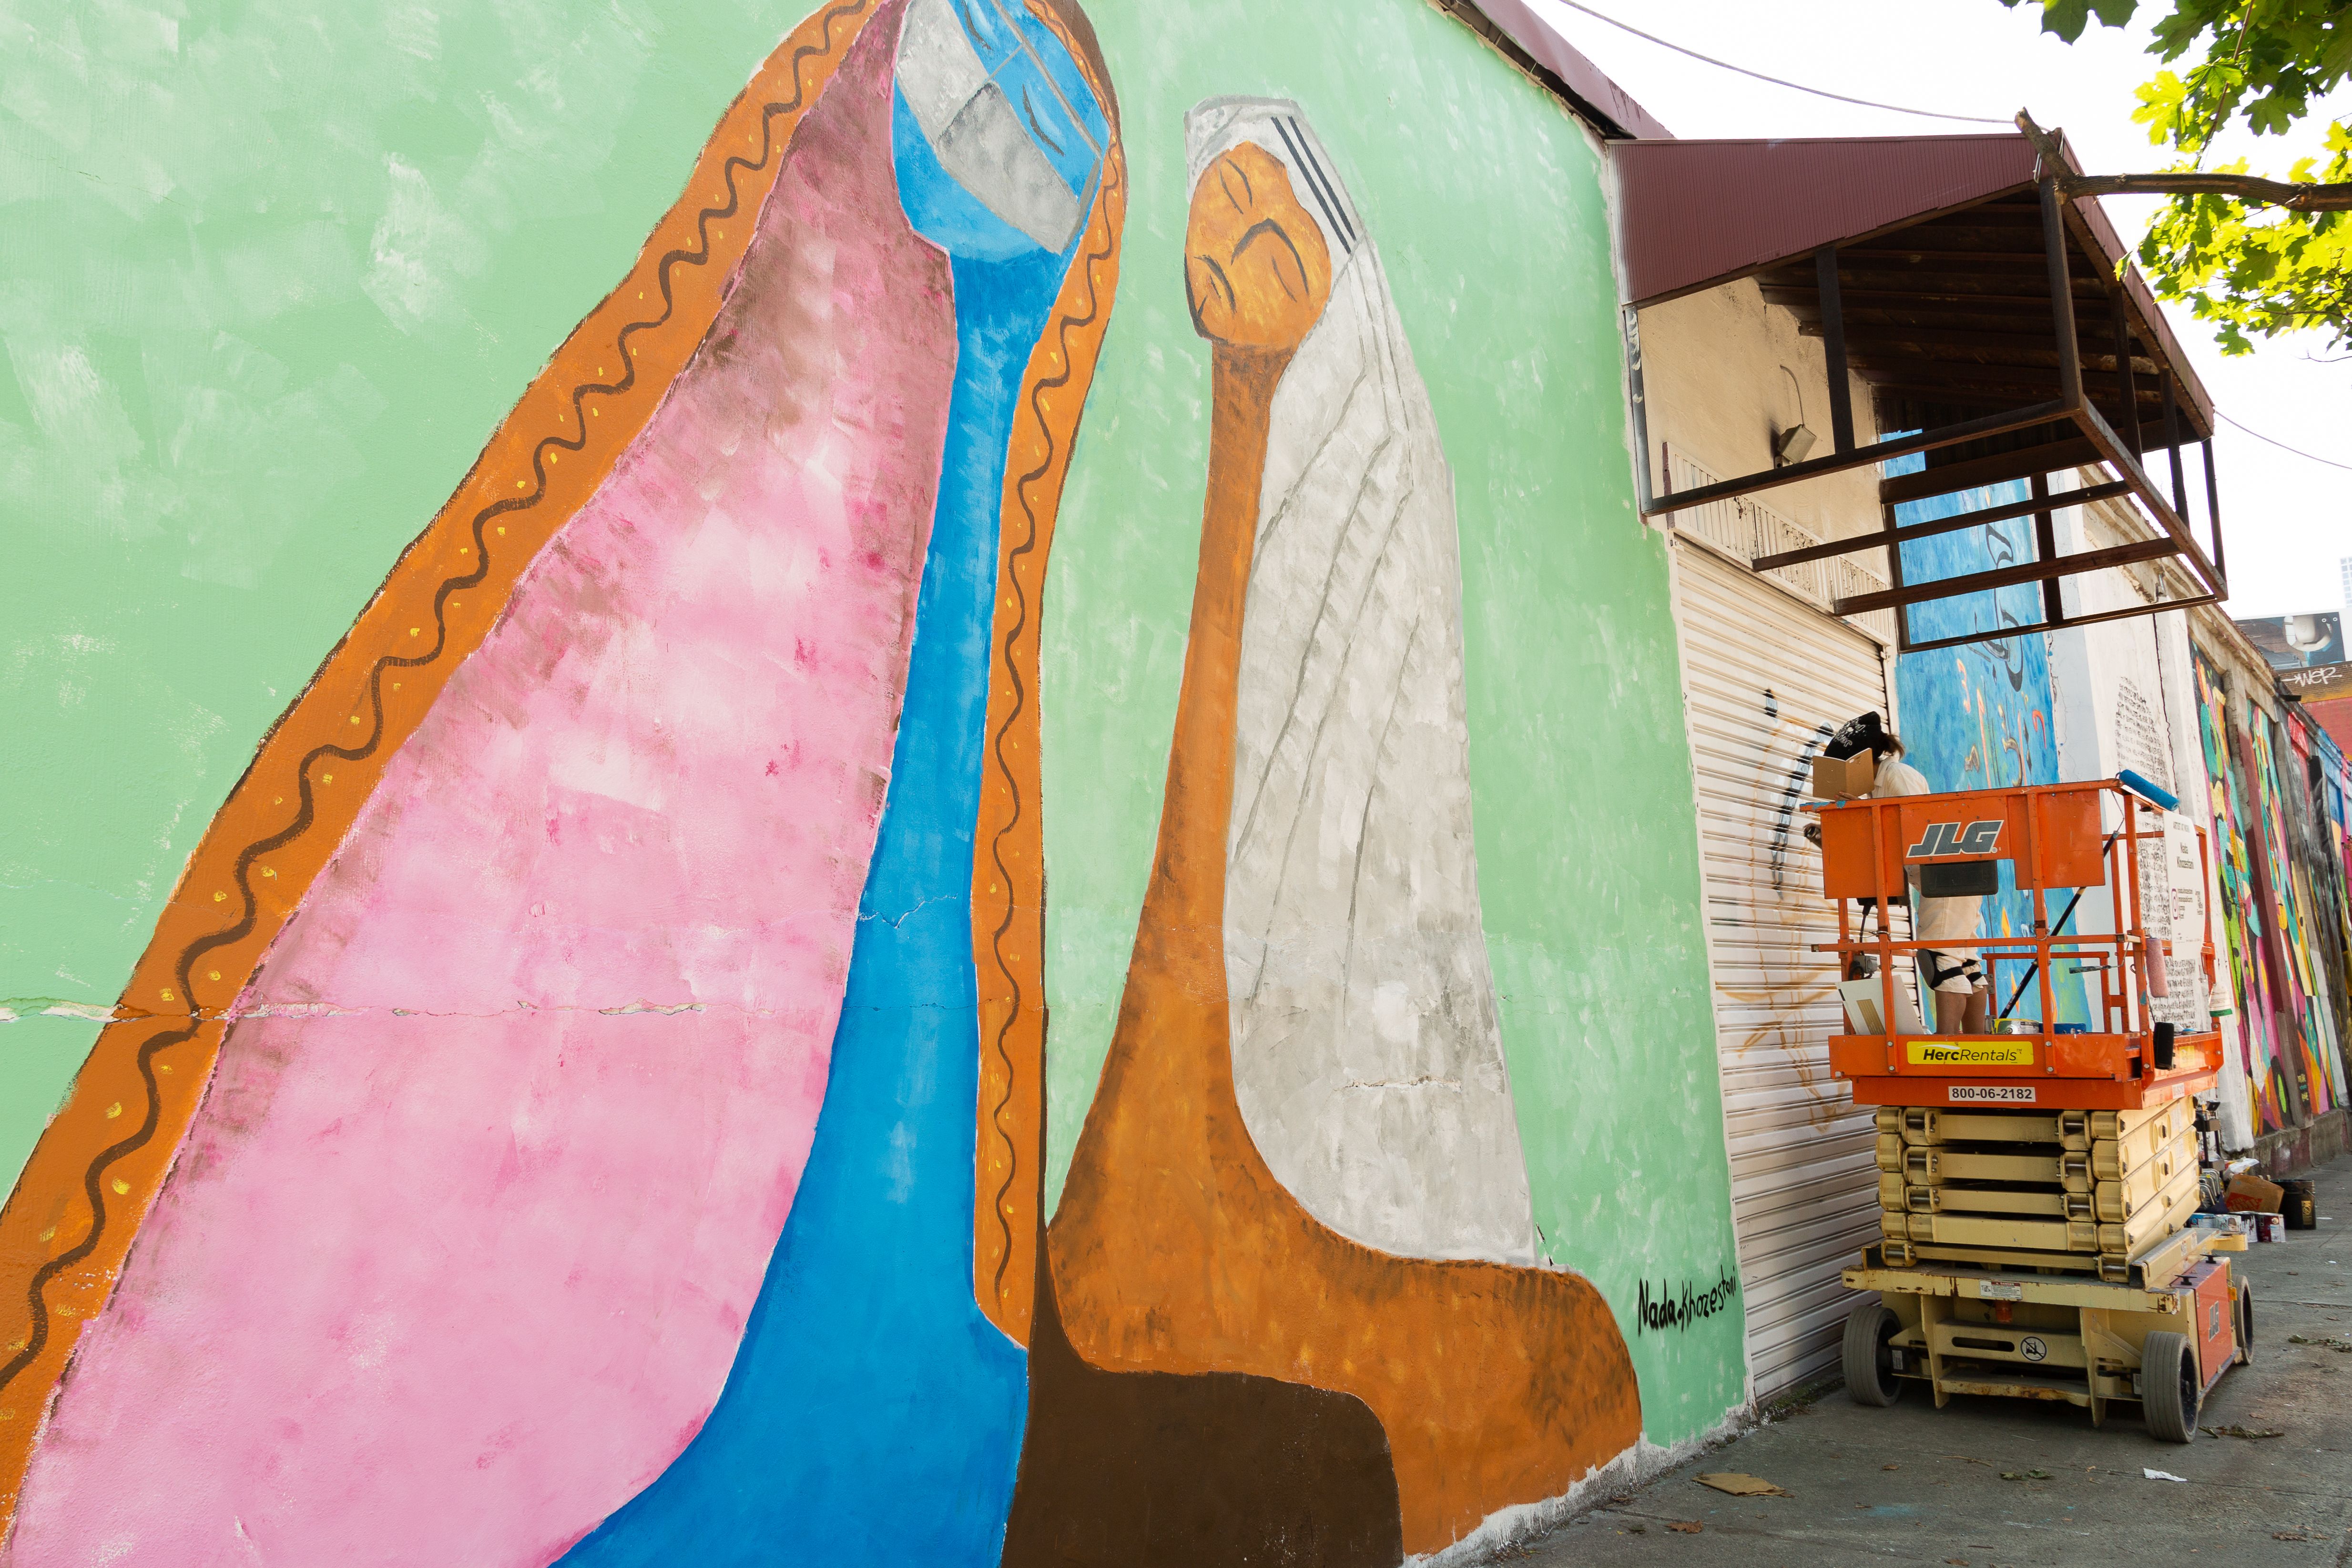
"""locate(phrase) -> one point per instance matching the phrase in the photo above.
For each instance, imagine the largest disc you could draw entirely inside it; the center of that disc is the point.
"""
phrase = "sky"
(2286, 521)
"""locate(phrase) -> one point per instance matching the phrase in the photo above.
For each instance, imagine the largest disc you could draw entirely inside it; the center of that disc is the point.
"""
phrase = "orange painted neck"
(1186, 900)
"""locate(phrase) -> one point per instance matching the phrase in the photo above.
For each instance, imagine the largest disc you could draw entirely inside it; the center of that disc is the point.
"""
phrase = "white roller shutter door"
(1766, 679)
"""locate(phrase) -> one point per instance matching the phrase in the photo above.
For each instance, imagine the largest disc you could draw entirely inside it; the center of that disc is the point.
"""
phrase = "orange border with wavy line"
(1008, 873)
(97, 1169)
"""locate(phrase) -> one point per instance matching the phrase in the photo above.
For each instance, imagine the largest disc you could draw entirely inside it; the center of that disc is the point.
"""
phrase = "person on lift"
(1948, 971)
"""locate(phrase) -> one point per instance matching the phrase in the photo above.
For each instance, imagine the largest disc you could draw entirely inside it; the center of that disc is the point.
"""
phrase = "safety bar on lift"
(2048, 818)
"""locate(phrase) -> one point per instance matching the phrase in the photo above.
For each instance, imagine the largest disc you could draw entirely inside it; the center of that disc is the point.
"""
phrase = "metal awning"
(2002, 326)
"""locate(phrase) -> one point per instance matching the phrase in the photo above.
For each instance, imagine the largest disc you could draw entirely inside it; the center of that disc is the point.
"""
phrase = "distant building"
(2298, 642)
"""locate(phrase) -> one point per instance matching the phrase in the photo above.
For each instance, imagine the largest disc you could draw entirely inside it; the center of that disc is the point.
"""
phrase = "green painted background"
(269, 274)
(1484, 198)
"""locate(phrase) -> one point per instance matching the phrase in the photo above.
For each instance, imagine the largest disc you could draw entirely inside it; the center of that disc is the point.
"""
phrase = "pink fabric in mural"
(459, 1249)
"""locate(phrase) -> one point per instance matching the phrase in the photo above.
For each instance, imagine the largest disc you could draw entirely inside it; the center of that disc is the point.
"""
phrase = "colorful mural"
(1978, 715)
(598, 1090)
(1177, 1247)
(2286, 1001)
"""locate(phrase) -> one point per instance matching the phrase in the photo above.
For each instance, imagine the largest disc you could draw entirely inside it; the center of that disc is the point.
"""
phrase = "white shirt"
(1949, 924)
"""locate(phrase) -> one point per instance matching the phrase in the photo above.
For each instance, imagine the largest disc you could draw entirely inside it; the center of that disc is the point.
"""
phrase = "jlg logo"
(1951, 838)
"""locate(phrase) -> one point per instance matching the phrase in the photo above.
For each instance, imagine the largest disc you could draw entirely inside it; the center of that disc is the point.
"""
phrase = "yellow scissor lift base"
(2161, 1339)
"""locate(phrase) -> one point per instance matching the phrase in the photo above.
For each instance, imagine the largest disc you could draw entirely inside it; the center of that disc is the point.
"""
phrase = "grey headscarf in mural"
(1367, 1051)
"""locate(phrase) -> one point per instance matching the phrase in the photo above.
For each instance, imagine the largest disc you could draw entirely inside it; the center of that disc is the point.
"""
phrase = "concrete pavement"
(1914, 1484)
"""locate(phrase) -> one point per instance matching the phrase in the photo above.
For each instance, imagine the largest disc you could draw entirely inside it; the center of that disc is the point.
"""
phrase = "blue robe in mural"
(873, 1413)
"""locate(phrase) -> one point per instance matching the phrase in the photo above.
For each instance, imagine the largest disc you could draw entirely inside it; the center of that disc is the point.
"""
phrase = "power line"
(1777, 81)
(2285, 448)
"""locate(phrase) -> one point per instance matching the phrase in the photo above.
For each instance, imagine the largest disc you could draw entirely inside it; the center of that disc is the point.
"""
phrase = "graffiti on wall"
(2272, 914)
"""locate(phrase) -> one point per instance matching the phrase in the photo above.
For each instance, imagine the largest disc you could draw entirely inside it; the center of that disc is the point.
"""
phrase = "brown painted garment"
(1174, 1248)
(1156, 1469)
(96, 1171)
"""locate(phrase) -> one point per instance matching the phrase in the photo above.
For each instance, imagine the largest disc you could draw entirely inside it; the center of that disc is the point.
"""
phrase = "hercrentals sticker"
(1971, 1053)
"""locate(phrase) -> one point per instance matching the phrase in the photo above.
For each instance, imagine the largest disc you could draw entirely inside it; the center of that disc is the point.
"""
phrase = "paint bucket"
(2300, 1208)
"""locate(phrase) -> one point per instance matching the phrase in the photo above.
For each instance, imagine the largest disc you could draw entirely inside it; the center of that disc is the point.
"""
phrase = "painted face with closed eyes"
(988, 97)
(1256, 271)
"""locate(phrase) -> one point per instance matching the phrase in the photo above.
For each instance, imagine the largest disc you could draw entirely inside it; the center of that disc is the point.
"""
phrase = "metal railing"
(1744, 530)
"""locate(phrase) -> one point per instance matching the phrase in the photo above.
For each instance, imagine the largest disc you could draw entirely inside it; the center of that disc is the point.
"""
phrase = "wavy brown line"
(93, 1179)
(1037, 390)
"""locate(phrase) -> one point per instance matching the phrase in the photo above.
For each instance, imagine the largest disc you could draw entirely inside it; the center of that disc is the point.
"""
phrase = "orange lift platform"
(2038, 1184)
(2059, 840)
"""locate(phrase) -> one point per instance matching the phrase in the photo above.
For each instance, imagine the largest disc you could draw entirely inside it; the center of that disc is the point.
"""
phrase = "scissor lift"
(2036, 1184)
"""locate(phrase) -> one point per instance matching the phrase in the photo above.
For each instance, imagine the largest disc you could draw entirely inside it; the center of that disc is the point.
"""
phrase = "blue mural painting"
(1978, 716)
(873, 1413)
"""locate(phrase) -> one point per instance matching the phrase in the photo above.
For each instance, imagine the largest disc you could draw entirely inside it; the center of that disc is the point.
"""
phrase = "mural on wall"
(1978, 715)
(2297, 642)
(621, 725)
(590, 1096)
(1177, 1247)
(2274, 915)
(2300, 915)
(2245, 921)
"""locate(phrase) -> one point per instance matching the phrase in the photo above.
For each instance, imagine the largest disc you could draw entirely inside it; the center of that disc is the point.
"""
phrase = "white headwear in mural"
(1367, 1053)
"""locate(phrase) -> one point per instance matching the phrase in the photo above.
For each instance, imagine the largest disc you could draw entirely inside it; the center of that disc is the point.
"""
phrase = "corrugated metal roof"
(1696, 214)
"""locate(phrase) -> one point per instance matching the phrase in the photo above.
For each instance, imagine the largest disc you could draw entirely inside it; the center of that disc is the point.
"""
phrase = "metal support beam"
(1826, 273)
(1948, 524)
(2172, 446)
(2045, 537)
(2009, 576)
(2130, 428)
(2056, 252)
(2213, 510)
(1878, 452)
(2068, 621)
(2126, 464)
(1894, 544)
(2018, 463)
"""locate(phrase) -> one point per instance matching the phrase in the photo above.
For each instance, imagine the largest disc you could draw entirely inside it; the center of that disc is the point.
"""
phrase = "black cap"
(1866, 733)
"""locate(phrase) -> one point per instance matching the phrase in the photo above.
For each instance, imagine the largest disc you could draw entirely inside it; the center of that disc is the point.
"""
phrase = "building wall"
(2335, 716)
(736, 1017)
(1723, 373)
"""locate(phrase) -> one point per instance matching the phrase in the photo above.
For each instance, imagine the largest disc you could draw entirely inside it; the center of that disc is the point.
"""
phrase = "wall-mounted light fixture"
(1792, 445)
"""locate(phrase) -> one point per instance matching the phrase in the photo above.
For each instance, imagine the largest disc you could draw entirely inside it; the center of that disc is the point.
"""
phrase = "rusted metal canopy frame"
(2096, 440)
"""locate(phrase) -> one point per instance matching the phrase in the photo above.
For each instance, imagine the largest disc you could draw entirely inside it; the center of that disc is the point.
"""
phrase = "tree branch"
(2244, 188)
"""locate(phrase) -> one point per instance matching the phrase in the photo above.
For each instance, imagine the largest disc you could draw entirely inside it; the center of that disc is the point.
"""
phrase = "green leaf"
(2247, 270)
(2067, 19)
